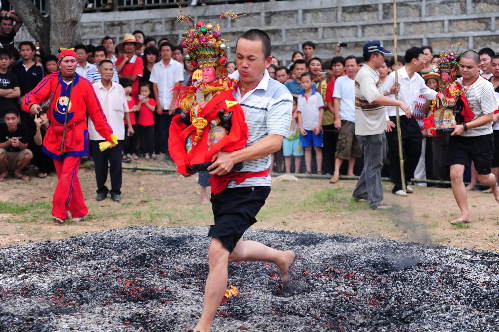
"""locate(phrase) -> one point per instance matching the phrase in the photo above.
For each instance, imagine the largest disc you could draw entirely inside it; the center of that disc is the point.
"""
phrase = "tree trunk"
(59, 29)
(64, 21)
(37, 25)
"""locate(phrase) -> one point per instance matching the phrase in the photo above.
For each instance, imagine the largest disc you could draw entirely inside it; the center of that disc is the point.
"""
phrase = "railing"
(108, 5)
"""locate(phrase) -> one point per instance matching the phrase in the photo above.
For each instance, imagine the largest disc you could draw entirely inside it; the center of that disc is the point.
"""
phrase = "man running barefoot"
(472, 141)
(267, 106)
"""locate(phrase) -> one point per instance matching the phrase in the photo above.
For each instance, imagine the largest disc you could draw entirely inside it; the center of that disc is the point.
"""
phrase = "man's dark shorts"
(495, 163)
(234, 211)
(463, 150)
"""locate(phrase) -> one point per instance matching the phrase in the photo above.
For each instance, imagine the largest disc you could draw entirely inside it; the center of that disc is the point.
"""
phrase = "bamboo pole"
(399, 131)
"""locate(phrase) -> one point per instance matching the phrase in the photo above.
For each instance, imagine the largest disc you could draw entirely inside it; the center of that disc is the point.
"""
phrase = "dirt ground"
(152, 198)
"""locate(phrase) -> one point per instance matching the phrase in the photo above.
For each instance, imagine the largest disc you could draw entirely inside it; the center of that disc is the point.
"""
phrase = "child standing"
(131, 141)
(291, 146)
(145, 123)
(310, 112)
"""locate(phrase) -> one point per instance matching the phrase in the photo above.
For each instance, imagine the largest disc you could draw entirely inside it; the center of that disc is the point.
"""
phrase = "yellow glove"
(106, 145)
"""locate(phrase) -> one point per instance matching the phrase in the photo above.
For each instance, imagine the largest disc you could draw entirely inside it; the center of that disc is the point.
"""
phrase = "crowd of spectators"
(323, 129)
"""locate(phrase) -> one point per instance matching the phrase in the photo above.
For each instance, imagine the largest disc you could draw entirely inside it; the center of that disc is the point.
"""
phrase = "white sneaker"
(410, 189)
(401, 193)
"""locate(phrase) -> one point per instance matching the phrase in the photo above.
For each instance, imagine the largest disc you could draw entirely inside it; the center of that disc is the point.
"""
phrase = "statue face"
(209, 74)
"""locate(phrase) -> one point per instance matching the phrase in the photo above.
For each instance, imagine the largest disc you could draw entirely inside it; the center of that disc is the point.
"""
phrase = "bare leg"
(256, 251)
(4, 166)
(297, 164)
(287, 164)
(308, 159)
(318, 159)
(495, 171)
(218, 260)
(459, 191)
(21, 165)
(351, 166)
(490, 180)
(474, 174)
(337, 166)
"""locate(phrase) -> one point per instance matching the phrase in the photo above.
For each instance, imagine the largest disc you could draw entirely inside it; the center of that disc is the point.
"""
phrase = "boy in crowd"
(344, 119)
(14, 152)
(27, 72)
(486, 54)
(297, 69)
(308, 49)
(83, 66)
(9, 86)
(94, 73)
(282, 75)
(310, 113)
(291, 146)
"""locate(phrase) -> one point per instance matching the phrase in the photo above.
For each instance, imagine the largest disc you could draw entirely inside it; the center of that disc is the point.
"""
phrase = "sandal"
(58, 221)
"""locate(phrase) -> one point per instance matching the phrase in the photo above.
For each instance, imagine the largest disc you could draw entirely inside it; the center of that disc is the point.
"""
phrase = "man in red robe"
(70, 99)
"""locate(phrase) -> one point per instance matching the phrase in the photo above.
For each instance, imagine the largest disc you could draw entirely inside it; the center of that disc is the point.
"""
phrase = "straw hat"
(129, 38)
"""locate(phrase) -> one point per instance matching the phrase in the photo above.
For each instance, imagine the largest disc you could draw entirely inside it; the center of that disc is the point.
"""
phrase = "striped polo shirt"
(267, 110)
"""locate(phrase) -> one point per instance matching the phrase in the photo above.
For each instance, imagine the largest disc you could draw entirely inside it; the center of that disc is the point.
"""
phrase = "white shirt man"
(114, 105)
(166, 76)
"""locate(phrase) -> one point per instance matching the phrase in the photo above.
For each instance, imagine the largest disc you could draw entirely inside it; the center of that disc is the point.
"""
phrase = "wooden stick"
(399, 131)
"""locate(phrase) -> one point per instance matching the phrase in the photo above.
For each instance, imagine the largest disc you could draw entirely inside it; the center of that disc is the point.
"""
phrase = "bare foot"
(3, 176)
(465, 220)
(205, 201)
(21, 176)
(350, 174)
(42, 175)
(288, 259)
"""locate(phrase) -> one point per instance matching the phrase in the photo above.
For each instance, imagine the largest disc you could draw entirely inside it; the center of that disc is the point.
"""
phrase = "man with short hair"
(486, 54)
(9, 86)
(298, 68)
(347, 147)
(108, 44)
(336, 69)
(472, 141)
(412, 85)
(166, 74)
(267, 106)
(83, 66)
(308, 49)
(94, 74)
(14, 153)
(27, 72)
(282, 74)
(370, 124)
(10, 23)
(112, 98)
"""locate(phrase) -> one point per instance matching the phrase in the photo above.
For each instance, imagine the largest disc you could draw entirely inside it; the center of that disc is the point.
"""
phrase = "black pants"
(161, 132)
(101, 160)
(329, 149)
(146, 139)
(411, 146)
(131, 144)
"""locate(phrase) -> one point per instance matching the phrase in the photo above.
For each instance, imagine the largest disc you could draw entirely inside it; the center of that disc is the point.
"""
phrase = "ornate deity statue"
(210, 118)
(450, 107)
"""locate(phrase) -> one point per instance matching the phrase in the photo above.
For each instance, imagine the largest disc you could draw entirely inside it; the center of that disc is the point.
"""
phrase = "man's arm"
(159, 107)
(13, 93)
(225, 161)
(5, 144)
(18, 20)
(461, 128)
(336, 112)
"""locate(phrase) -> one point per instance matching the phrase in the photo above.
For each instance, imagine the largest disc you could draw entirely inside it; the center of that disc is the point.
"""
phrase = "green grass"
(25, 212)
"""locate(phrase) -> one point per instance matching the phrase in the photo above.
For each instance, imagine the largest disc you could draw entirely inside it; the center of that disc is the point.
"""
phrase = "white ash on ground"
(152, 279)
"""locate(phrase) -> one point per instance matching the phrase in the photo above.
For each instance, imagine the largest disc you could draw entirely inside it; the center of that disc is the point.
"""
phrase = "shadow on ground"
(152, 278)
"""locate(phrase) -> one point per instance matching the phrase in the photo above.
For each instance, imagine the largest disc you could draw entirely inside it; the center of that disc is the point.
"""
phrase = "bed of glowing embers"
(152, 279)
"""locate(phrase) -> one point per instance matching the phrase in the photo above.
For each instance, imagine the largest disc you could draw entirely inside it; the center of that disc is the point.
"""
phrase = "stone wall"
(457, 24)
